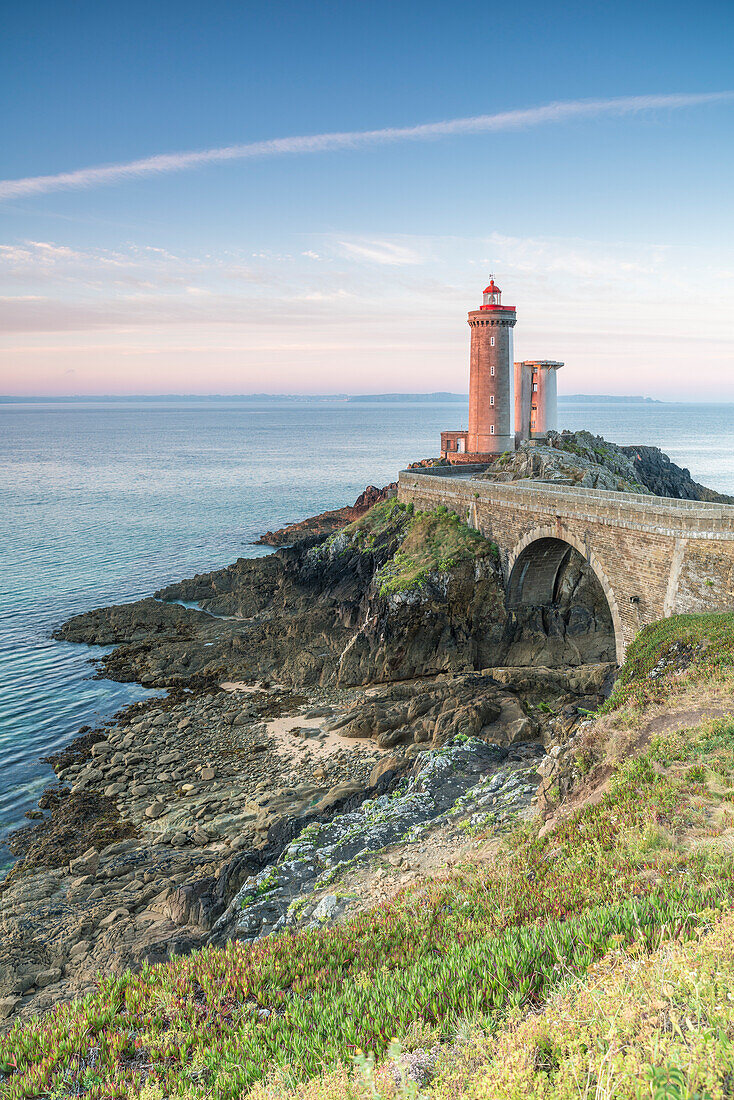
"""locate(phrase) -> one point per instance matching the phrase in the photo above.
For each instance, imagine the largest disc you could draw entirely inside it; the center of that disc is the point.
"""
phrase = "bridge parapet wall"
(653, 556)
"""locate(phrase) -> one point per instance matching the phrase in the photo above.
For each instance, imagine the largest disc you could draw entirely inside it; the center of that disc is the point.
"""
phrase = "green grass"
(706, 648)
(420, 543)
(387, 517)
(435, 542)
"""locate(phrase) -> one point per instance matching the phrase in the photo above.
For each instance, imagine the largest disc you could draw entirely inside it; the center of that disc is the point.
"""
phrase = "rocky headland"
(326, 523)
(589, 461)
(335, 721)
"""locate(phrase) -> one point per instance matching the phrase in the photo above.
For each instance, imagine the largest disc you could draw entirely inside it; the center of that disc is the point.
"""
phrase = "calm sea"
(104, 502)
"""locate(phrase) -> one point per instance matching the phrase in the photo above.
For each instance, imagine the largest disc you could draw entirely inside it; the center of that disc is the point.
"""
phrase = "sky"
(308, 197)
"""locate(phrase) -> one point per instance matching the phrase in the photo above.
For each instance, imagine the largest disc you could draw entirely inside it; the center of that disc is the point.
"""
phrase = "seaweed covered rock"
(468, 780)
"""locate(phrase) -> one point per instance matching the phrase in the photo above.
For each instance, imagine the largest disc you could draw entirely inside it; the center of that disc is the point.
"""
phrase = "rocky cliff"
(408, 711)
(326, 523)
(662, 477)
(392, 596)
(575, 458)
(592, 462)
(225, 808)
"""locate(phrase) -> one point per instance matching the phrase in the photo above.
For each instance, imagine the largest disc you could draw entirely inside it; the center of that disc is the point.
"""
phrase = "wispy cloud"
(375, 285)
(28, 265)
(322, 143)
(609, 309)
(380, 252)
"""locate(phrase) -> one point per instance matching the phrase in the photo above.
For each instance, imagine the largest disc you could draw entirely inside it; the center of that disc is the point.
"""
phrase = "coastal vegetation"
(696, 649)
(422, 543)
(587, 956)
(435, 542)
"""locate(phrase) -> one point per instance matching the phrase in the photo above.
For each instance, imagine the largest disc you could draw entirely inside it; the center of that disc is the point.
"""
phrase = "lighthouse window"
(491, 399)
(491, 371)
(535, 387)
(491, 429)
(491, 341)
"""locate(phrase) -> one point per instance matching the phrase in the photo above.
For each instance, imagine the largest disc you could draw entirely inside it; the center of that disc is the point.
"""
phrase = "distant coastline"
(595, 398)
(347, 398)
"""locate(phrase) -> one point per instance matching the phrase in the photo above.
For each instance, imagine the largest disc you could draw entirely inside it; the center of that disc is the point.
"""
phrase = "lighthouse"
(508, 401)
(491, 375)
(491, 372)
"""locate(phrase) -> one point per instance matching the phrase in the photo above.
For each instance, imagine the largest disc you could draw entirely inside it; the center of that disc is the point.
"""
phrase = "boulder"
(7, 1006)
(336, 795)
(117, 915)
(432, 712)
(389, 762)
(85, 864)
(47, 977)
(326, 908)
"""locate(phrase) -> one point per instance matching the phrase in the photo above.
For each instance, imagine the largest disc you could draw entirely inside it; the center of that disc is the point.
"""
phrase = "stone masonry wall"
(704, 580)
(653, 557)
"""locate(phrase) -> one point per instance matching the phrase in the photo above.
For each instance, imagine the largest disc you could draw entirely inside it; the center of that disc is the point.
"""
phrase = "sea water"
(103, 502)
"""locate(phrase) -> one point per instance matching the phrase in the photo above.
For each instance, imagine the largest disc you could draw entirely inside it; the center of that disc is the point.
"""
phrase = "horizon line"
(8, 398)
(516, 119)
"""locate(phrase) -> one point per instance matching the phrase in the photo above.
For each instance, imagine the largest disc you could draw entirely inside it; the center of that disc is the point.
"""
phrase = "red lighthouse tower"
(491, 374)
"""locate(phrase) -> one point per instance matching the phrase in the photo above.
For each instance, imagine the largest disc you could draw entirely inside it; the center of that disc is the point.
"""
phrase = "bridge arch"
(534, 565)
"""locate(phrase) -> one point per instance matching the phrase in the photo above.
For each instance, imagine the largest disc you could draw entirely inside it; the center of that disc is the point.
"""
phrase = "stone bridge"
(652, 556)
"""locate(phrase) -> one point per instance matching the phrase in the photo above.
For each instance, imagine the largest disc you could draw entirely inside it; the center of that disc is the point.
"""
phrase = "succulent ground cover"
(668, 656)
(653, 1025)
(590, 956)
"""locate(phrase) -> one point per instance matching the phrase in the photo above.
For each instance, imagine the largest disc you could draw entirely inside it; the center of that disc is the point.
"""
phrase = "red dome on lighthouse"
(492, 297)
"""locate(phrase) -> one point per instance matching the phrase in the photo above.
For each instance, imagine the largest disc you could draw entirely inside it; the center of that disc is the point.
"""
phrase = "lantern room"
(492, 295)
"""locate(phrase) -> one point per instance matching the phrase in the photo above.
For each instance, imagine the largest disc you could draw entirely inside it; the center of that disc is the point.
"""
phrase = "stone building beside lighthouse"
(508, 401)
(536, 410)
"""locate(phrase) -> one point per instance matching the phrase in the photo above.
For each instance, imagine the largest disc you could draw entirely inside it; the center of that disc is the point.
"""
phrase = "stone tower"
(491, 402)
(536, 398)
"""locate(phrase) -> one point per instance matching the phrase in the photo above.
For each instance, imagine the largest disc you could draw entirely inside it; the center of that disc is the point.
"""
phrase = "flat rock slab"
(468, 779)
